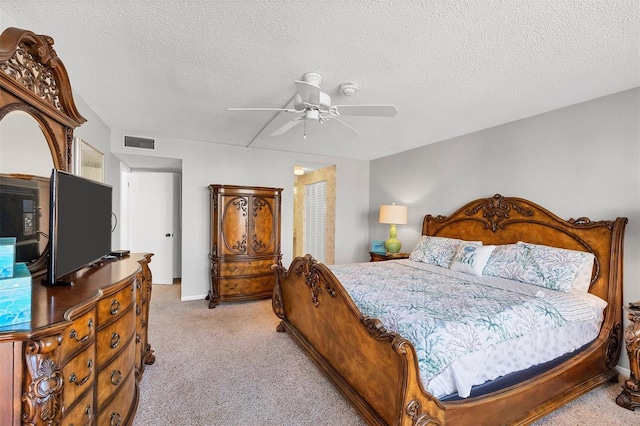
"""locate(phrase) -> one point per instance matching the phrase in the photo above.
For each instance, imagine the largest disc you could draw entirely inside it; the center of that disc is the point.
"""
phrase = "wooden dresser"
(80, 359)
(245, 242)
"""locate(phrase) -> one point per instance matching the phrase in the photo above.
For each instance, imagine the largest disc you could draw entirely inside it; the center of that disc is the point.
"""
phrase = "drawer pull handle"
(116, 377)
(232, 268)
(115, 307)
(115, 340)
(232, 286)
(74, 379)
(115, 419)
(73, 334)
(87, 412)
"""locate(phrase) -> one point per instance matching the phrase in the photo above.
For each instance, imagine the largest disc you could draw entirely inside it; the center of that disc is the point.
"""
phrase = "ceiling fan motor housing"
(323, 105)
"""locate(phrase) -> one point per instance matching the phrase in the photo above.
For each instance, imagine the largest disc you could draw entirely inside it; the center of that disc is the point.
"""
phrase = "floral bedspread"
(447, 314)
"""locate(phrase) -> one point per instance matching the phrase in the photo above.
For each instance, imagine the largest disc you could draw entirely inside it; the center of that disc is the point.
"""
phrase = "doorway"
(154, 221)
(314, 210)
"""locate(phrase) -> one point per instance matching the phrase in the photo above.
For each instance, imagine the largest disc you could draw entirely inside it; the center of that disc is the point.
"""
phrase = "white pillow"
(583, 279)
(471, 258)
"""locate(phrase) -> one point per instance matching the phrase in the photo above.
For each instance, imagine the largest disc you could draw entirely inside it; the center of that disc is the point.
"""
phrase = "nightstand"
(381, 257)
(630, 395)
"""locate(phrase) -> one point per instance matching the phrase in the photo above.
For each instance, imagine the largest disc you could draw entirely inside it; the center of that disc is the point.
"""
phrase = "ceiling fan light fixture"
(348, 89)
(312, 114)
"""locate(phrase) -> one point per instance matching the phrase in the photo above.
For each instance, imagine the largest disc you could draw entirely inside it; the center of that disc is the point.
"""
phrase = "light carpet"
(228, 366)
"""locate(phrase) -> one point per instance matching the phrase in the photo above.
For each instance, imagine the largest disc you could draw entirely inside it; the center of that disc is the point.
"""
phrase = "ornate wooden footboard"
(377, 371)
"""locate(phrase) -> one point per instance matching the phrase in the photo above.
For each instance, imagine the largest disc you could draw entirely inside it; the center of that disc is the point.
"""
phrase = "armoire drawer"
(78, 335)
(112, 376)
(112, 306)
(120, 408)
(253, 267)
(247, 286)
(82, 413)
(79, 375)
(112, 339)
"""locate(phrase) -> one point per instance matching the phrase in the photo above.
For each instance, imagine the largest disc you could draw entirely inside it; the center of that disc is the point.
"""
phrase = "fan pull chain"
(304, 132)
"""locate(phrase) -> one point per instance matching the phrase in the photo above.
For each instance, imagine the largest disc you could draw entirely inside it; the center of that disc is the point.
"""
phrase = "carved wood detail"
(43, 395)
(312, 279)
(33, 71)
(420, 418)
(630, 396)
(497, 209)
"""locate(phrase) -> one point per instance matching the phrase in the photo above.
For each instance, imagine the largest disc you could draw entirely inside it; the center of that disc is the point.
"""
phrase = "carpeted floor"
(228, 366)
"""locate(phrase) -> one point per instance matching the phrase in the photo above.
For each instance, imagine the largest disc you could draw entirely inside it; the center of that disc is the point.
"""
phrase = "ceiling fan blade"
(309, 93)
(346, 131)
(367, 110)
(288, 126)
(262, 109)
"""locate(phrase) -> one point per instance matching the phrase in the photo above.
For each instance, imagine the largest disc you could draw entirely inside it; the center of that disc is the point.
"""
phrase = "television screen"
(80, 224)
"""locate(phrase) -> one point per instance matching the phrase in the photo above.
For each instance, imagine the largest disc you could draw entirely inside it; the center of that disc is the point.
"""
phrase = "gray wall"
(206, 163)
(582, 160)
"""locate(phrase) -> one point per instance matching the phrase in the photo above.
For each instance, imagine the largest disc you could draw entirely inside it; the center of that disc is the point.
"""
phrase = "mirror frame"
(34, 80)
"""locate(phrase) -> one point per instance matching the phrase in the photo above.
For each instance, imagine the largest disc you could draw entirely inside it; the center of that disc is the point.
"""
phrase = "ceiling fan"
(310, 103)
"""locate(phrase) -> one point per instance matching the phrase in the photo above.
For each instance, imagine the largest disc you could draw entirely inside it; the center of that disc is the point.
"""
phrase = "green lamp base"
(392, 245)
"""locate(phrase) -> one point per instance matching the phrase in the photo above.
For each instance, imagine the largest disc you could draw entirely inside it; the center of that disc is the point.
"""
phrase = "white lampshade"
(392, 214)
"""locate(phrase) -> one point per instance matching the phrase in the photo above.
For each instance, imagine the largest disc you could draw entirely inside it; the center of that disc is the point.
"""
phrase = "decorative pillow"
(509, 261)
(437, 251)
(555, 268)
(471, 258)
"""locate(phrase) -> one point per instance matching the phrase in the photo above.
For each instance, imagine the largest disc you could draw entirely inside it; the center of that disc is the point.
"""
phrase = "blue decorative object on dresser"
(7, 256)
(15, 297)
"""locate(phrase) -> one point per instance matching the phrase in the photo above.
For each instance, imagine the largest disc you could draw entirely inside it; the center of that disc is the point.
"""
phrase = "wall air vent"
(137, 142)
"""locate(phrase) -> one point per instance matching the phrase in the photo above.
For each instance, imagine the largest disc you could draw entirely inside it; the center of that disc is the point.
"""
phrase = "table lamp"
(393, 215)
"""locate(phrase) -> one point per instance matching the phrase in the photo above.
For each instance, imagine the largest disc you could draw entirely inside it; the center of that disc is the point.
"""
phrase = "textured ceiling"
(170, 68)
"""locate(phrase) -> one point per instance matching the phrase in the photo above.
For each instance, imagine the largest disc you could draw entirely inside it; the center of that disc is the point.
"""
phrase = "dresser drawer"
(82, 413)
(119, 410)
(113, 338)
(112, 306)
(254, 286)
(78, 335)
(79, 375)
(252, 267)
(113, 375)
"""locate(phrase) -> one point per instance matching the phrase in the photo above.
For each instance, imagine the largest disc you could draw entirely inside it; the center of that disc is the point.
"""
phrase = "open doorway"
(314, 214)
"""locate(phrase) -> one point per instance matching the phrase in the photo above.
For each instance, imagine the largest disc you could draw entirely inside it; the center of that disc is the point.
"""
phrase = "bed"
(378, 370)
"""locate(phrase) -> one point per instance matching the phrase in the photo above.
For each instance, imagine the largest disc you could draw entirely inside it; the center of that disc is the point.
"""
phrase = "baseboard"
(623, 372)
(195, 297)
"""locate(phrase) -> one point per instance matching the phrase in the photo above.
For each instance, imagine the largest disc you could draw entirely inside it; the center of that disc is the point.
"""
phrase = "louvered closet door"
(315, 219)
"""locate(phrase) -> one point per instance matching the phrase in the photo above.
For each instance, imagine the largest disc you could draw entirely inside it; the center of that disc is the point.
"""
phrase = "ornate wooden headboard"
(507, 220)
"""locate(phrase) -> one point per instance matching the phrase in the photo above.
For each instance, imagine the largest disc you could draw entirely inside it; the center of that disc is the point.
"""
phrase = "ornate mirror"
(37, 119)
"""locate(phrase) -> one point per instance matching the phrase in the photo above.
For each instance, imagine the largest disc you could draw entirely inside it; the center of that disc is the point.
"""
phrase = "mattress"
(468, 329)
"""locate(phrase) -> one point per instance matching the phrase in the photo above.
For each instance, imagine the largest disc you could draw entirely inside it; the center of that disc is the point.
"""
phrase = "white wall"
(208, 163)
(96, 133)
(582, 160)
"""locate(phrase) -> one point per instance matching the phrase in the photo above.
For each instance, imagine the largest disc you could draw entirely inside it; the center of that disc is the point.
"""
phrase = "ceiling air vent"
(137, 142)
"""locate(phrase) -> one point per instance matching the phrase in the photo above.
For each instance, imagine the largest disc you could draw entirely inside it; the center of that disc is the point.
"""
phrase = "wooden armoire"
(245, 242)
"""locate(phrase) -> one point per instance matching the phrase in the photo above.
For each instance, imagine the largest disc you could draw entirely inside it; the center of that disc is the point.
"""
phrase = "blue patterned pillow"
(437, 251)
(555, 268)
(509, 261)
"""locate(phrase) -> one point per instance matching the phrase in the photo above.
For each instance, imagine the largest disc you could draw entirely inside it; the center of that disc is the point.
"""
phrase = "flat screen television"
(79, 225)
